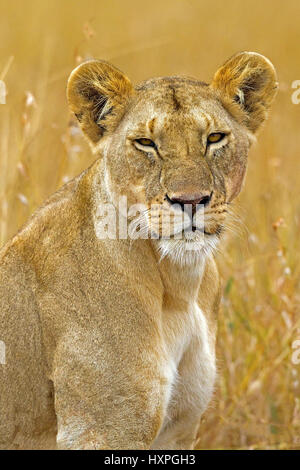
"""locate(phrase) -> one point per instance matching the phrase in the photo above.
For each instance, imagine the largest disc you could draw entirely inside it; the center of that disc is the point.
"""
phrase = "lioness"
(110, 340)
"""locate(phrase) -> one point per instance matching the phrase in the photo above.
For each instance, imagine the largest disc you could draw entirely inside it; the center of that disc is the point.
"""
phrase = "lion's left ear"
(97, 93)
(249, 80)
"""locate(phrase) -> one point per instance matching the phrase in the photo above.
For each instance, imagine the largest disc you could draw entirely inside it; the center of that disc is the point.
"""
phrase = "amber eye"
(145, 142)
(215, 137)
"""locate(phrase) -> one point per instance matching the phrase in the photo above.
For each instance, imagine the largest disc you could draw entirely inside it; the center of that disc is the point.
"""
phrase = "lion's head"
(175, 141)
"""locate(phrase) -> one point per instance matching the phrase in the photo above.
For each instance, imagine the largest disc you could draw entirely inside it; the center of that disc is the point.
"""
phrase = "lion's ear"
(97, 93)
(248, 79)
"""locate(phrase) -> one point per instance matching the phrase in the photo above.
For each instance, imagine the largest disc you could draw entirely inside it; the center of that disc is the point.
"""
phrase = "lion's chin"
(188, 252)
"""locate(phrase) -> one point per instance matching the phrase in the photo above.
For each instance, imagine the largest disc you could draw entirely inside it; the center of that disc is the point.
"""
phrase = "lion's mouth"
(217, 231)
(194, 228)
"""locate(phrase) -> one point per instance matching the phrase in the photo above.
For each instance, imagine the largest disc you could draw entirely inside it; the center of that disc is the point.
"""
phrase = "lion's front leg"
(192, 392)
(103, 402)
(180, 433)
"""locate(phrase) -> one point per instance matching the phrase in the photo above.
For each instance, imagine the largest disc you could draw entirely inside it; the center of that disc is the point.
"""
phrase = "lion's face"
(176, 146)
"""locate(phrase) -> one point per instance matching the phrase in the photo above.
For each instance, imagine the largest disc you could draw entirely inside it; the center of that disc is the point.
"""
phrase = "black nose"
(203, 198)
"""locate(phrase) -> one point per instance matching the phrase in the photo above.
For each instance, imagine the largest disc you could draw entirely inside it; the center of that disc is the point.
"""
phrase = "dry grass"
(257, 403)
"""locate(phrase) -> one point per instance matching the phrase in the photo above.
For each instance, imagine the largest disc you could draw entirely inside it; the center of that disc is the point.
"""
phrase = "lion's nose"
(203, 198)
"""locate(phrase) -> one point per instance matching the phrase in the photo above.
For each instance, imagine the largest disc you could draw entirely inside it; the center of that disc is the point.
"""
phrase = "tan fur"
(108, 346)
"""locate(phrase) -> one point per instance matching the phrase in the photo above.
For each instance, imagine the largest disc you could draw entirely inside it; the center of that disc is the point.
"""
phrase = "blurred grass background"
(257, 401)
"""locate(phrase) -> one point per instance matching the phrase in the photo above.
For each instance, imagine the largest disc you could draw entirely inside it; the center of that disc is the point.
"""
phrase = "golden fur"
(110, 342)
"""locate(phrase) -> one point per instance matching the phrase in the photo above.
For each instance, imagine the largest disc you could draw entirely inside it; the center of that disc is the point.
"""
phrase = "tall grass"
(257, 402)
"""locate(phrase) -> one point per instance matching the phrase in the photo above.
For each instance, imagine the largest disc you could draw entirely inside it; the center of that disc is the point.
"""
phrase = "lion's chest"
(190, 360)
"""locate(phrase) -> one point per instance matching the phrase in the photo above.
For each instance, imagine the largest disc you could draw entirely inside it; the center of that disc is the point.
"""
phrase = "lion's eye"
(215, 137)
(145, 142)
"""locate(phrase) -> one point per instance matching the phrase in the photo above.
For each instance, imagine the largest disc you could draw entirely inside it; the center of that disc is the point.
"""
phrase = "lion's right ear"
(97, 93)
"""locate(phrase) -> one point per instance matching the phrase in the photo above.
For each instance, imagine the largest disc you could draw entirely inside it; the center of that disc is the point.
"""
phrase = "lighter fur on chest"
(187, 334)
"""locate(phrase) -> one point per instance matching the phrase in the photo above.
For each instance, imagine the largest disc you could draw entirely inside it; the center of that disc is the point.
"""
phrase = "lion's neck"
(181, 281)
